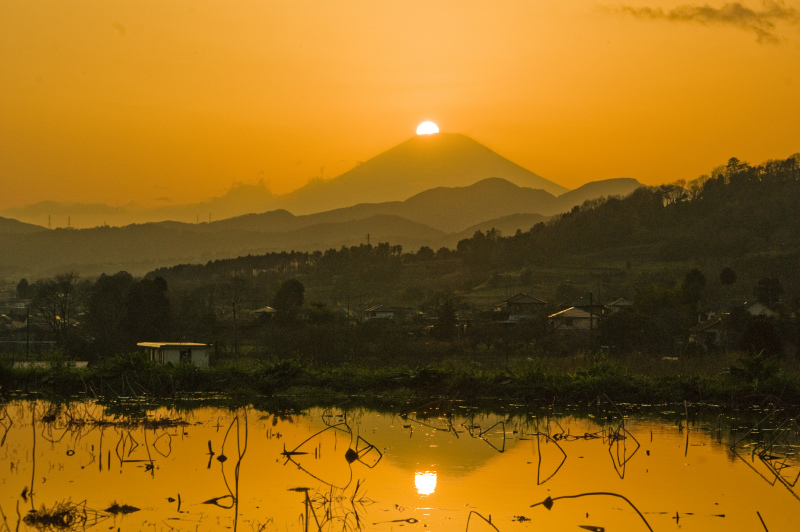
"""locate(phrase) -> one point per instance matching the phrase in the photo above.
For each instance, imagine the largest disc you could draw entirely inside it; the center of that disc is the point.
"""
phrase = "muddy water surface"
(77, 466)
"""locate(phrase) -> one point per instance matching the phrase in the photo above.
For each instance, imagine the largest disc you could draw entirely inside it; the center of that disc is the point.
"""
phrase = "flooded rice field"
(84, 466)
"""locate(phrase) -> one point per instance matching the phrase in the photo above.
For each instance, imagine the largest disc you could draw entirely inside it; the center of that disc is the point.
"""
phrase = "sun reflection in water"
(425, 482)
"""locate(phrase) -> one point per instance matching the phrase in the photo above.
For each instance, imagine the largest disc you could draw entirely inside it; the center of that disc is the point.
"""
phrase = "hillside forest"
(689, 258)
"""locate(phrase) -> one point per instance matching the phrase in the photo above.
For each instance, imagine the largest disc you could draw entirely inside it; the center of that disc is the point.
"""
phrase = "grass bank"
(732, 380)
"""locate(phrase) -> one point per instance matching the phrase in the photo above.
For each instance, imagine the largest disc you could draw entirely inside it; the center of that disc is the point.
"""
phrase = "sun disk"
(427, 128)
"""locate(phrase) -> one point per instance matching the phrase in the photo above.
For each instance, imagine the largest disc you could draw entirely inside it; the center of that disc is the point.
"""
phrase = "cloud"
(762, 21)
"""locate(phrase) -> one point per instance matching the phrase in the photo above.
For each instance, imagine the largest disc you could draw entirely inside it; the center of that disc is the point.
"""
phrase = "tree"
(425, 253)
(692, 287)
(57, 301)
(446, 322)
(122, 311)
(769, 290)
(625, 331)
(761, 336)
(25, 290)
(727, 276)
(289, 297)
(106, 313)
(148, 307)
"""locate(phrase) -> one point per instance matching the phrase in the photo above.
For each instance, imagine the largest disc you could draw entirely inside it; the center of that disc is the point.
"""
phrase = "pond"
(83, 465)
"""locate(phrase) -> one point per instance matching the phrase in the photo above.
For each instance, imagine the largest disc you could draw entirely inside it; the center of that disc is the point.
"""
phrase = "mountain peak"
(420, 163)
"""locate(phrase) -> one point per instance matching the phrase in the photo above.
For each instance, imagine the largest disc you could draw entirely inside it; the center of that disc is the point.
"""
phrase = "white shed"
(177, 352)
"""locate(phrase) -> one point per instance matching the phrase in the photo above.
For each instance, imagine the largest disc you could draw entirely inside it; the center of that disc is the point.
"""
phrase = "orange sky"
(159, 102)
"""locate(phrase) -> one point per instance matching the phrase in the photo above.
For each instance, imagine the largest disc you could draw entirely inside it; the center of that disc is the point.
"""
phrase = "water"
(441, 470)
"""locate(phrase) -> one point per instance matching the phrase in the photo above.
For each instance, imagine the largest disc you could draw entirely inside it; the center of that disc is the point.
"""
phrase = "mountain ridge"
(409, 168)
(437, 217)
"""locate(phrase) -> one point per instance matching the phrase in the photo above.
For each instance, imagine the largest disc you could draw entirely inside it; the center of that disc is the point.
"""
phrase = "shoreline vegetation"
(731, 380)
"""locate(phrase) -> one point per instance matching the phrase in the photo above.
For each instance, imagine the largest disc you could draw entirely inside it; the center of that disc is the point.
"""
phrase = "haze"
(159, 103)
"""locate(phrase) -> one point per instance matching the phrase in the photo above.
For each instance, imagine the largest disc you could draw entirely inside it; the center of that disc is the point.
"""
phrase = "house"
(757, 308)
(177, 352)
(619, 304)
(385, 312)
(573, 319)
(522, 307)
(587, 305)
(265, 313)
(708, 333)
(346, 314)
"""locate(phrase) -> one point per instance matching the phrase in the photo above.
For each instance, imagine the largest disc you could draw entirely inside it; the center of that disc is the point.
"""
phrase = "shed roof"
(572, 312)
(581, 302)
(161, 345)
(524, 299)
(386, 308)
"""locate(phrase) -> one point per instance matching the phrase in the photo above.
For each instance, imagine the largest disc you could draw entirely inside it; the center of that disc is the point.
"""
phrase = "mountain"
(437, 217)
(416, 173)
(416, 165)
(449, 209)
(621, 186)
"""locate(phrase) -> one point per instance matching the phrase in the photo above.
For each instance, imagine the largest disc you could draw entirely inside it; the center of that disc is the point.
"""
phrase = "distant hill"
(621, 186)
(418, 164)
(9, 225)
(140, 248)
(507, 226)
(744, 216)
(450, 209)
(237, 201)
(437, 217)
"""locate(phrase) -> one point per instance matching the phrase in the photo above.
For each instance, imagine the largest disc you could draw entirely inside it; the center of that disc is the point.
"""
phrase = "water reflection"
(425, 482)
(320, 456)
(84, 465)
(769, 448)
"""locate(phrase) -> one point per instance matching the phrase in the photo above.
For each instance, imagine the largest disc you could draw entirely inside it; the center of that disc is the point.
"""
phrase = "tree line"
(738, 212)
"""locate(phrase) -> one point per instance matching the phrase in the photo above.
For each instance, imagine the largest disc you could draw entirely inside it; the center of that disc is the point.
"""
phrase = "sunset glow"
(176, 102)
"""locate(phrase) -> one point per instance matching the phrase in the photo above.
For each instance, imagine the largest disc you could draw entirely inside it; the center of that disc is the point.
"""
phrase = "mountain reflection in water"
(83, 465)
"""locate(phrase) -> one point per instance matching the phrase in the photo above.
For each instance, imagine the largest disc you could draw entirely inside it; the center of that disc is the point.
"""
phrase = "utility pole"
(235, 339)
(591, 319)
(27, 332)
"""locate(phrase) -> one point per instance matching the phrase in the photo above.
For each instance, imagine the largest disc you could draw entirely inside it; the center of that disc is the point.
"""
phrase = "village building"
(265, 313)
(708, 333)
(587, 305)
(522, 307)
(619, 304)
(757, 308)
(177, 352)
(573, 319)
(386, 312)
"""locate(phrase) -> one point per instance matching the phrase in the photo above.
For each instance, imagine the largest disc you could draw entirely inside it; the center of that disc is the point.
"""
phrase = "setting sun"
(427, 128)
